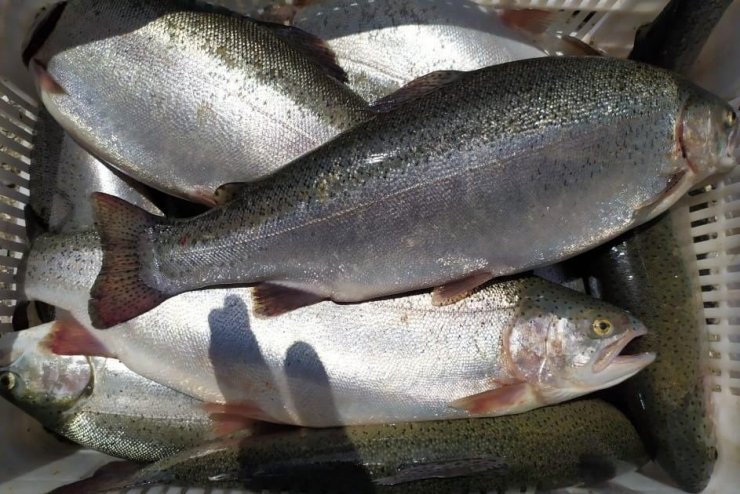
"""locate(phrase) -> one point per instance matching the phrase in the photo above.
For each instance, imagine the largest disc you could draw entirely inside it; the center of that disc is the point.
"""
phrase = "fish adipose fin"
(416, 89)
(273, 300)
(443, 469)
(512, 398)
(119, 293)
(458, 290)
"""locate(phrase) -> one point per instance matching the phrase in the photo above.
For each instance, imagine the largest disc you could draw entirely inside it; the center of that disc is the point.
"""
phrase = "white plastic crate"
(33, 461)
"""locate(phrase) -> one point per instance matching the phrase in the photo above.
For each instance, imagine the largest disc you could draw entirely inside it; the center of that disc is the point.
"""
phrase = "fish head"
(705, 138)
(40, 383)
(568, 349)
(708, 136)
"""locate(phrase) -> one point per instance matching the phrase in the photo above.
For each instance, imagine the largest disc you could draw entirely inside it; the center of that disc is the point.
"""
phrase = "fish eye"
(7, 381)
(730, 118)
(603, 327)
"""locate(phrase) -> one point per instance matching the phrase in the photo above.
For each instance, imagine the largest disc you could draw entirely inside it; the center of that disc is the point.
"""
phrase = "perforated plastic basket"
(33, 461)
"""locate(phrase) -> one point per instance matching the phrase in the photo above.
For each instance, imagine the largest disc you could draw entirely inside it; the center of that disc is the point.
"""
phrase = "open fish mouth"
(616, 367)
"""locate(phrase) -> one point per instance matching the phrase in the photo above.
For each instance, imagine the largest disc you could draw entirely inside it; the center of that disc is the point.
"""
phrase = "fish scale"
(482, 175)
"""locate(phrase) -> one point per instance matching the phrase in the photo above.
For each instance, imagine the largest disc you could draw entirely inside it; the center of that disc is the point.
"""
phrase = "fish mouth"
(616, 367)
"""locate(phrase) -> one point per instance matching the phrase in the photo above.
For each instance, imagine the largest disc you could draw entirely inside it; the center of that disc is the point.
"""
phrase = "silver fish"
(524, 453)
(63, 177)
(98, 402)
(488, 173)
(186, 99)
(384, 44)
(510, 347)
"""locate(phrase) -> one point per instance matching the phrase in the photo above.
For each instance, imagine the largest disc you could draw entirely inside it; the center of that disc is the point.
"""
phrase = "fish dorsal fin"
(416, 89)
(311, 46)
(443, 469)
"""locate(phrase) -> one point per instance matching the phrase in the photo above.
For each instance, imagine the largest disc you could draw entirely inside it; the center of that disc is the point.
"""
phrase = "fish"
(101, 404)
(510, 347)
(543, 449)
(186, 98)
(669, 403)
(650, 272)
(64, 175)
(674, 42)
(385, 44)
(460, 178)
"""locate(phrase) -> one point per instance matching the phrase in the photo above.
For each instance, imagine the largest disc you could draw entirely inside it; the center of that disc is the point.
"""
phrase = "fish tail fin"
(119, 292)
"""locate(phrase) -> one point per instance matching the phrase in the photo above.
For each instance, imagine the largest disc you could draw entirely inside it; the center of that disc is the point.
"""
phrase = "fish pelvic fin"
(119, 292)
(273, 300)
(507, 399)
(69, 337)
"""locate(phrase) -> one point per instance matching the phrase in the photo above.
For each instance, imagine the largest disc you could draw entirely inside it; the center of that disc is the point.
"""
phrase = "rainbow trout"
(578, 443)
(510, 347)
(484, 174)
(183, 98)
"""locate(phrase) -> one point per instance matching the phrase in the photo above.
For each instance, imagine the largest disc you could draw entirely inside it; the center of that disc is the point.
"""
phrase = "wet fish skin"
(546, 448)
(385, 44)
(532, 186)
(398, 359)
(63, 177)
(675, 38)
(651, 271)
(185, 100)
(670, 402)
(98, 402)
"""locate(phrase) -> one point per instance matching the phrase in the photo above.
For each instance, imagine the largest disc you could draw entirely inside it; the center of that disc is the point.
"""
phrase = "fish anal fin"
(511, 398)
(415, 89)
(232, 417)
(112, 476)
(69, 337)
(458, 290)
(119, 293)
(273, 300)
(311, 46)
(443, 469)
(227, 192)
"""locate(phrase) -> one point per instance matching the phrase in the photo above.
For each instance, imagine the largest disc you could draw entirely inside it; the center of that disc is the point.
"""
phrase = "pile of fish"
(294, 250)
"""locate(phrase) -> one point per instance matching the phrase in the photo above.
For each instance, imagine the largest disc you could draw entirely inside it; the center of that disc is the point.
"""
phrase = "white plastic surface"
(33, 461)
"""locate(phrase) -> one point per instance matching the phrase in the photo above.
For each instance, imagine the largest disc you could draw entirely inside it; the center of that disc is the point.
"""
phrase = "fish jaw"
(611, 368)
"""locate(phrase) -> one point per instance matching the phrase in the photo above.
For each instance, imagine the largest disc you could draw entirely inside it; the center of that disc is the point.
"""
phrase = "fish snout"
(613, 367)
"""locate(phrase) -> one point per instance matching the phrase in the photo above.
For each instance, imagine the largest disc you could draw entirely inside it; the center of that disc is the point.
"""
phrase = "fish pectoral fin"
(443, 469)
(458, 290)
(512, 398)
(310, 45)
(44, 79)
(415, 89)
(273, 300)
(69, 337)
(228, 192)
